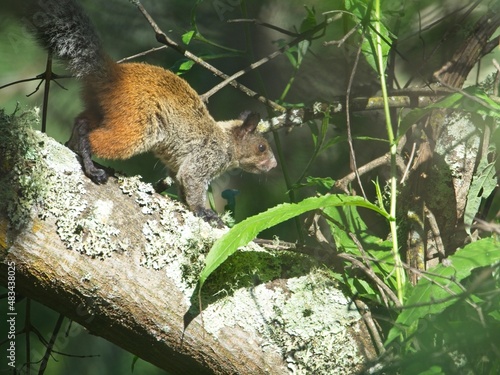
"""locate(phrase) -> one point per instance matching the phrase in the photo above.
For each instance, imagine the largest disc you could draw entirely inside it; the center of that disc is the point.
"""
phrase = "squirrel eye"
(262, 147)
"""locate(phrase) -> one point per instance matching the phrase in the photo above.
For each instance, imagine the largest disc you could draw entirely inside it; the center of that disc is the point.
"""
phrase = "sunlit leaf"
(483, 184)
(245, 231)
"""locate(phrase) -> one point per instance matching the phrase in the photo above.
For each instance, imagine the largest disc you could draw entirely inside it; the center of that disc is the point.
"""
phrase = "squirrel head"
(252, 152)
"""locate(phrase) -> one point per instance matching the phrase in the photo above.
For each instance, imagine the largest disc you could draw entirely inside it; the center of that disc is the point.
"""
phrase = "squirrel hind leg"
(79, 143)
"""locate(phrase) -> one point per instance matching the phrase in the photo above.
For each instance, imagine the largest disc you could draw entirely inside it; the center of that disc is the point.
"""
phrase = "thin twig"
(46, 91)
(36, 78)
(340, 42)
(164, 39)
(265, 24)
(244, 71)
(144, 53)
(486, 226)
(369, 272)
(371, 165)
(50, 345)
(408, 165)
(435, 231)
(20, 81)
(300, 37)
(366, 314)
(348, 117)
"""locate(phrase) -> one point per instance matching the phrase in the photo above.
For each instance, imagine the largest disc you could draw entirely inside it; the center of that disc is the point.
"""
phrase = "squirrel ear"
(250, 121)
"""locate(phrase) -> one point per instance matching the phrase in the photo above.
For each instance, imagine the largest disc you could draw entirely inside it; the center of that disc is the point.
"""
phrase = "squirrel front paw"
(209, 216)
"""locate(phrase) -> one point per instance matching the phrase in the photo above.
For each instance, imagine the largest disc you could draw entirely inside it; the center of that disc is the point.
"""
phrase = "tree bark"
(123, 261)
(449, 149)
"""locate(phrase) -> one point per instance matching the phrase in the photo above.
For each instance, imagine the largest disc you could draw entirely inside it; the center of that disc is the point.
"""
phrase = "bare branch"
(144, 53)
(163, 38)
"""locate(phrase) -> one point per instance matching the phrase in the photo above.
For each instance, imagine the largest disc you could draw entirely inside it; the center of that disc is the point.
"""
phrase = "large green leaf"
(245, 231)
(345, 220)
(436, 291)
(483, 184)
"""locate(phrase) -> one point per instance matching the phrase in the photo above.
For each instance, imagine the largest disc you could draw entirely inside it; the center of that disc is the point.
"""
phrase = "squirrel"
(132, 108)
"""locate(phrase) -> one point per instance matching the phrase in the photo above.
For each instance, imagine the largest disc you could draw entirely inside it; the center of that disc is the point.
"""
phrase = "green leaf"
(364, 14)
(361, 288)
(134, 360)
(322, 185)
(245, 231)
(432, 294)
(302, 48)
(309, 22)
(346, 220)
(331, 142)
(314, 132)
(433, 370)
(187, 37)
(483, 184)
(325, 182)
(291, 57)
(185, 66)
(495, 315)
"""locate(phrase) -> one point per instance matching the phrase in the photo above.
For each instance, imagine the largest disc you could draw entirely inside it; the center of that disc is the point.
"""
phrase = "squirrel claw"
(209, 216)
(98, 176)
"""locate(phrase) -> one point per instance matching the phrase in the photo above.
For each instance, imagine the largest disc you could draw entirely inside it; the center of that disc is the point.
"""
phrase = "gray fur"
(64, 28)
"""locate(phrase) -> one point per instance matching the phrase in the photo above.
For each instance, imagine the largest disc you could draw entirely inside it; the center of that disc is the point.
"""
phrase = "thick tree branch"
(123, 262)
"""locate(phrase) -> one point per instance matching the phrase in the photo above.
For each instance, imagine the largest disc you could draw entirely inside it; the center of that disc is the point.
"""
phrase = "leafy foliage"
(440, 287)
(245, 231)
(364, 17)
(446, 296)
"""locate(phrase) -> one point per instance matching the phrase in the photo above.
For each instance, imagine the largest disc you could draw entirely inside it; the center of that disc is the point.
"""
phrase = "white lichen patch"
(90, 233)
(459, 146)
(459, 143)
(22, 171)
(308, 321)
(177, 248)
(133, 186)
(86, 229)
(44, 179)
(177, 242)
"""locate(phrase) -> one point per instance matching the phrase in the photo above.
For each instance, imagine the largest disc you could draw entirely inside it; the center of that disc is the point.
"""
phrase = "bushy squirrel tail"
(62, 27)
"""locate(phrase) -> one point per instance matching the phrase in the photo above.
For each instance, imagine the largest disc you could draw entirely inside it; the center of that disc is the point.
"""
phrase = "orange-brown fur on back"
(134, 105)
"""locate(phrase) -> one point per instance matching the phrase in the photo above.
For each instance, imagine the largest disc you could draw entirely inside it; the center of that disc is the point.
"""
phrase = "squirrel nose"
(269, 163)
(273, 163)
